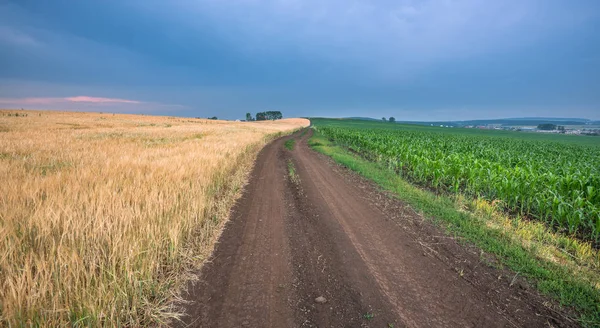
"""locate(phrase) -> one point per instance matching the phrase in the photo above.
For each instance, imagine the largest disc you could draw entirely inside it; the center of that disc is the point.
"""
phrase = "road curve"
(333, 235)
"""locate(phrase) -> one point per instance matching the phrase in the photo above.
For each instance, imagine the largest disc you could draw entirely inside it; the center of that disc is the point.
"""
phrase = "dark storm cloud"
(411, 59)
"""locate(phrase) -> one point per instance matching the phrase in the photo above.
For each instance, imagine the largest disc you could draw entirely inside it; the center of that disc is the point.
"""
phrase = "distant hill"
(548, 119)
(362, 118)
(522, 121)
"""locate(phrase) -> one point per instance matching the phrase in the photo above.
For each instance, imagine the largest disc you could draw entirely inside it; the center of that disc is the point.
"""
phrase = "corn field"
(554, 182)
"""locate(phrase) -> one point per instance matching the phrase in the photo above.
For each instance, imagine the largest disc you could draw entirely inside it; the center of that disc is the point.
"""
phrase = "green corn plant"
(553, 182)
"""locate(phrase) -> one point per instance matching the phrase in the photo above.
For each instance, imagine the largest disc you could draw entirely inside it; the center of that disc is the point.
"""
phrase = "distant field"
(102, 215)
(363, 124)
(548, 177)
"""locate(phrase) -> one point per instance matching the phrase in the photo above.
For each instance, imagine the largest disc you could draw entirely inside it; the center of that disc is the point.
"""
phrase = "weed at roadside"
(289, 144)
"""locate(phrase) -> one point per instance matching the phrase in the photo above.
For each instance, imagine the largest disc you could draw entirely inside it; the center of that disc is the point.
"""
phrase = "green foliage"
(376, 124)
(292, 172)
(290, 144)
(269, 115)
(556, 183)
(392, 119)
(547, 127)
(249, 117)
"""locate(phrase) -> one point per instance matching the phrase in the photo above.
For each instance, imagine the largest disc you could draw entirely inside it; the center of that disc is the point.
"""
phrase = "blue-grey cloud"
(429, 58)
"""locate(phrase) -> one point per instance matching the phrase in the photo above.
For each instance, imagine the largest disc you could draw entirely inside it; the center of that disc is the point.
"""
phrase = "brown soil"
(375, 261)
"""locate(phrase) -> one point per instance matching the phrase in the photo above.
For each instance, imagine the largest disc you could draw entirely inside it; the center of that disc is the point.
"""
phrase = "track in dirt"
(333, 235)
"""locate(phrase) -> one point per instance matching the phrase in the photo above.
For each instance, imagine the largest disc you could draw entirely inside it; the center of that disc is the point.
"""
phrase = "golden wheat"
(102, 215)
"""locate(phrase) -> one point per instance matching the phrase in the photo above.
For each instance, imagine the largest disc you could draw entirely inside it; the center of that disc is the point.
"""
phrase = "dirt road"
(333, 235)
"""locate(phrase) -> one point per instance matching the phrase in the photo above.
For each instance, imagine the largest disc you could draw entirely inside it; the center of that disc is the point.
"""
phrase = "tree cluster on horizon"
(264, 116)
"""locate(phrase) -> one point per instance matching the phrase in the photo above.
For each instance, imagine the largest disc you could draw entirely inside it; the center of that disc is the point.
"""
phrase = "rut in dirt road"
(333, 235)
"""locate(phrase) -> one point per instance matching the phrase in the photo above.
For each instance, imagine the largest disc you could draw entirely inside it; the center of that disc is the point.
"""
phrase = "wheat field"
(103, 217)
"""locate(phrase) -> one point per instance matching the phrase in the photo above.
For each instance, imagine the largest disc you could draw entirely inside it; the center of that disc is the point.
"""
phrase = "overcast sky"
(415, 60)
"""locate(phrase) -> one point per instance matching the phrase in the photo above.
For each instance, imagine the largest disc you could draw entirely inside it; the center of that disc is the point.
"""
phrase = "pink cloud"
(78, 99)
(101, 100)
(89, 104)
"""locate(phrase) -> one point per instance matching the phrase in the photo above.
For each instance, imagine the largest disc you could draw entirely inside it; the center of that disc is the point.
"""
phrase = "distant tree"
(249, 117)
(274, 115)
(384, 119)
(392, 119)
(547, 127)
(213, 118)
(269, 115)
